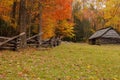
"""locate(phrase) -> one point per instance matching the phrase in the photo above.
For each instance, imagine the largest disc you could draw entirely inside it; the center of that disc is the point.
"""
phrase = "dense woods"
(33, 13)
(74, 19)
(38, 19)
(91, 15)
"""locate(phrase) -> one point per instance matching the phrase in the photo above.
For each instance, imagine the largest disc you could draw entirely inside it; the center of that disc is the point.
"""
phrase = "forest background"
(72, 20)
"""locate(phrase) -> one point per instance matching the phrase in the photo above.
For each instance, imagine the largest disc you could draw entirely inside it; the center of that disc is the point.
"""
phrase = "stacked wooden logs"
(52, 42)
(33, 40)
(10, 43)
(14, 42)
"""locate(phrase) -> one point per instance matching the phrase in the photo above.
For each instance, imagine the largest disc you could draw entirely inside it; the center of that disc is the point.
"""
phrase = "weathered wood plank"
(34, 36)
(1, 37)
(2, 43)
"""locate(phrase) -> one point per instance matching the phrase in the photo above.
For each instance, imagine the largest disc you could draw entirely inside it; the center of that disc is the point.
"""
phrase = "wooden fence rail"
(11, 42)
(14, 42)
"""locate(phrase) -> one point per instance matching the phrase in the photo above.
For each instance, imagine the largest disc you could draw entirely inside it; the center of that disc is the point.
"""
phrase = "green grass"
(70, 61)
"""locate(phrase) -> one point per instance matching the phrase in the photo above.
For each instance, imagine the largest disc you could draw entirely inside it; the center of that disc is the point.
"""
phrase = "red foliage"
(63, 9)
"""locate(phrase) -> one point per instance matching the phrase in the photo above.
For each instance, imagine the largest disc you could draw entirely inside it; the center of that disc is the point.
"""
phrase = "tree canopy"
(47, 13)
(66, 18)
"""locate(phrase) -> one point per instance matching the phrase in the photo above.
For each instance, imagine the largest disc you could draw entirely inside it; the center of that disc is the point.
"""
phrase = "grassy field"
(70, 61)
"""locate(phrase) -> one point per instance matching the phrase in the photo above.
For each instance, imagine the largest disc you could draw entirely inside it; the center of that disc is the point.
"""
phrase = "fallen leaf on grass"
(2, 76)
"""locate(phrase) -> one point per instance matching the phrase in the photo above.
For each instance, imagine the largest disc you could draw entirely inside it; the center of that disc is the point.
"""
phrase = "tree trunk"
(40, 25)
(22, 22)
(14, 12)
(13, 15)
(29, 19)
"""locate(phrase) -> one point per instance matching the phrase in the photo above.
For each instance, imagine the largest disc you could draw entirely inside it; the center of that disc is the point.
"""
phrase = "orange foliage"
(63, 9)
(52, 14)
(5, 9)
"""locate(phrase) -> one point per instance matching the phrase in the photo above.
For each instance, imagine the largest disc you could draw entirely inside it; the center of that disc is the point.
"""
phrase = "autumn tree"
(52, 17)
(53, 13)
(63, 17)
(112, 14)
(91, 15)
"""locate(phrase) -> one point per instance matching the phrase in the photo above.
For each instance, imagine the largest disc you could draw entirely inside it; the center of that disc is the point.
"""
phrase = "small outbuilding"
(105, 36)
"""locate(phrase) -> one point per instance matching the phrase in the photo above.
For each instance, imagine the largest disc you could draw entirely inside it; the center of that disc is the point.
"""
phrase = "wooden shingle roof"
(105, 33)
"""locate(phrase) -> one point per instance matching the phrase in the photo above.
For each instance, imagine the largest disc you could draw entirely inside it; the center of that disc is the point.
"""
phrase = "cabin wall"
(109, 41)
(92, 41)
(99, 41)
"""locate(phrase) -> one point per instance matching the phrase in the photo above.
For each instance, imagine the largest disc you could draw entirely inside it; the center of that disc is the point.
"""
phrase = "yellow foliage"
(112, 14)
(107, 15)
(48, 28)
(65, 28)
(6, 18)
